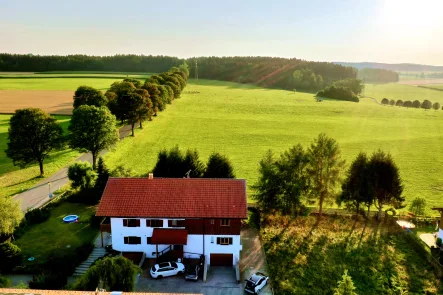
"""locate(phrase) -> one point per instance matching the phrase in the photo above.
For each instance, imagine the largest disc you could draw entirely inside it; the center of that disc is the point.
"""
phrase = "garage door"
(221, 259)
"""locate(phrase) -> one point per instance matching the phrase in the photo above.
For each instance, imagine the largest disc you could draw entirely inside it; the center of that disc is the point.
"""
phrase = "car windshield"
(255, 278)
(153, 269)
(174, 265)
(250, 284)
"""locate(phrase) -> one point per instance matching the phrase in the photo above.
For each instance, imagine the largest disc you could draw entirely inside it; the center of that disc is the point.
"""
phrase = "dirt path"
(57, 102)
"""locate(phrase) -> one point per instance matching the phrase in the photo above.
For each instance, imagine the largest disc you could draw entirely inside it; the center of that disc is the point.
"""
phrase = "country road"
(38, 195)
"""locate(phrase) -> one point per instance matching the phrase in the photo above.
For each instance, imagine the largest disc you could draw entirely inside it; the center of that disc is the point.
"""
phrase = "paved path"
(38, 195)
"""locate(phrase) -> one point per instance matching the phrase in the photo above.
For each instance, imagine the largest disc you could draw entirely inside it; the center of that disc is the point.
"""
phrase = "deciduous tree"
(93, 129)
(399, 103)
(418, 206)
(82, 175)
(392, 102)
(385, 101)
(385, 181)
(426, 104)
(324, 169)
(416, 104)
(11, 215)
(33, 134)
(86, 95)
(436, 106)
(407, 104)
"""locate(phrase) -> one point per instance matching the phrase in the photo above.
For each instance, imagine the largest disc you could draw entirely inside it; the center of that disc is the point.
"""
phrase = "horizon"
(382, 31)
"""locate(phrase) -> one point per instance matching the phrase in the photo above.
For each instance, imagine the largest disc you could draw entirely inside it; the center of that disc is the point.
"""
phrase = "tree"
(392, 102)
(135, 82)
(145, 112)
(33, 134)
(345, 286)
(121, 171)
(355, 188)
(385, 101)
(115, 273)
(407, 104)
(92, 129)
(11, 215)
(418, 206)
(416, 104)
(102, 175)
(426, 104)
(355, 85)
(219, 166)
(324, 168)
(82, 175)
(436, 106)
(192, 163)
(10, 256)
(86, 95)
(385, 181)
(399, 103)
(155, 96)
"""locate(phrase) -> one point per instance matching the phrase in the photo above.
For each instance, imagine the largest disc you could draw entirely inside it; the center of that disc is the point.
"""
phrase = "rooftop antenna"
(187, 174)
(196, 70)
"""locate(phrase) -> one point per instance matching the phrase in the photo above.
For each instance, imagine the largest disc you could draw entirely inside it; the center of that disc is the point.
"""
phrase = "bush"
(385, 101)
(48, 281)
(38, 215)
(426, 104)
(338, 92)
(407, 104)
(82, 175)
(5, 282)
(399, 103)
(416, 104)
(10, 256)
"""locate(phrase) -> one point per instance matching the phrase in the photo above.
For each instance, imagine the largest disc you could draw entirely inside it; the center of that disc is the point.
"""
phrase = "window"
(224, 222)
(131, 222)
(176, 223)
(133, 240)
(212, 221)
(154, 223)
(148, 240)
(224, 241)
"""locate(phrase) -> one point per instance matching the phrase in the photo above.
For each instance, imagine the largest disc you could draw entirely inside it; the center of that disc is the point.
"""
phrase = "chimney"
(151, 176)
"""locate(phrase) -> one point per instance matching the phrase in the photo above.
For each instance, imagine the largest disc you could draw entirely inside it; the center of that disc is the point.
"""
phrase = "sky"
(390, 31)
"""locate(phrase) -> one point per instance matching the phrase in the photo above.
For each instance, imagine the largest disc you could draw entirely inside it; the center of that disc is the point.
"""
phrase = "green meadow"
(13, 180)
(244, 121)
(403, 92)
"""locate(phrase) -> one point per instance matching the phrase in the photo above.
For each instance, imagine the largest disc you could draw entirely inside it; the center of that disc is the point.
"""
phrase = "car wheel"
(159, 277)
(181, 272)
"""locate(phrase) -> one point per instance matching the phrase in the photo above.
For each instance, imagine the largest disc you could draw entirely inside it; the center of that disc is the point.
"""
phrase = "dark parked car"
(192, 272)
(256, 283)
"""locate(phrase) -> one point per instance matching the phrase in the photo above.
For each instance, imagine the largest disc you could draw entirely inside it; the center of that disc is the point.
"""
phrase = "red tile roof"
(174, 197)
(165, 236)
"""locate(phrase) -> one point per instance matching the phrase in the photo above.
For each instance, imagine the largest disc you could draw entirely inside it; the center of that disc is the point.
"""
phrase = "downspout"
(204, 226)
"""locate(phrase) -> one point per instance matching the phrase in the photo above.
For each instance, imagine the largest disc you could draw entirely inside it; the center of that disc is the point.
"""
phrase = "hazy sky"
(390, 31)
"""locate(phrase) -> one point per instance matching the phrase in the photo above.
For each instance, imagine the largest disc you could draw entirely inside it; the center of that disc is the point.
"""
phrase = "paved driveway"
(220, 280)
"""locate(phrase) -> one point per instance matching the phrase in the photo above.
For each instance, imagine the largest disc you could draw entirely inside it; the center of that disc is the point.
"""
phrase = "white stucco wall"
(440, 233)
(194, 243)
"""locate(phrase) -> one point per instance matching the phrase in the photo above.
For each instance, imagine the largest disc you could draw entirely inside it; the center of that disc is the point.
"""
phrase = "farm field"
(309, 257)
(13, 179)
(433, 86)
(403, 92)
(243, 122)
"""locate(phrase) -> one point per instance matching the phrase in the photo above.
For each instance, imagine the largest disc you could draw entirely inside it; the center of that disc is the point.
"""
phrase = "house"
(6, 291)
(187, 216)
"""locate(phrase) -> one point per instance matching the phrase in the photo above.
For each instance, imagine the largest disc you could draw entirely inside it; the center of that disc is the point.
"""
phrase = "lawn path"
(38, 195)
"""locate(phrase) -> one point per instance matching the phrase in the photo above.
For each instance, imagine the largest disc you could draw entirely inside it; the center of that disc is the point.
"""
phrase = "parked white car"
(166, 269)
(256, 283)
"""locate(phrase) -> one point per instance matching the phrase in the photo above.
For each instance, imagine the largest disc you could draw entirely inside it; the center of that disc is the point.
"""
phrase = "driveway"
(220, 280)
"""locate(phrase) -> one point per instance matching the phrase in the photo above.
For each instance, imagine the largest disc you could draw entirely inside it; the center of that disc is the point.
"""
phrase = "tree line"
(34, 134)
(370, 75)
(301, 177)
(426, 104)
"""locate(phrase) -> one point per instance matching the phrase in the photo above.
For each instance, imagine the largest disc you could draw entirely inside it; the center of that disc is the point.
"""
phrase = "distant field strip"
(51, 101)
(438, 87)
(403, 92)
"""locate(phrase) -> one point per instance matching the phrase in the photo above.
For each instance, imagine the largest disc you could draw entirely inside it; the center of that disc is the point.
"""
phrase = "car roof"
(255, 277)
(163, 264)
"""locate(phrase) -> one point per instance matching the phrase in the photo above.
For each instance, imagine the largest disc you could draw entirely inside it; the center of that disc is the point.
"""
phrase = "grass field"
(438, 87)
(42, 240)
(403, 92)
(243, 122)
(309, 257)
(13, 179)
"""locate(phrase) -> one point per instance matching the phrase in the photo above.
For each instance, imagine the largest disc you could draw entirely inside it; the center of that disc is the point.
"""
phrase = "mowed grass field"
(404, 92)
(13, 180)
(243, 122)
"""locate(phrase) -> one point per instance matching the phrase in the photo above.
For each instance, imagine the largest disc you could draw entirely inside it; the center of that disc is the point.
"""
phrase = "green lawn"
(403, 92)
(42, 240)
(243, 122)
(13, 179)
(307, 257)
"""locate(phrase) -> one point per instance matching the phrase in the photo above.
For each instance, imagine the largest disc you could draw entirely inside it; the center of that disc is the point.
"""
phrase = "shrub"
(385, 101)
(48, 281)
(82, 175)
(338, 92)
(439, 242)
(399, 103)
(38, 215)
(407, 104)
(436, 106)
(392, 102)
(5, 282)
(10, 256)
(426, 104)
(416, 104)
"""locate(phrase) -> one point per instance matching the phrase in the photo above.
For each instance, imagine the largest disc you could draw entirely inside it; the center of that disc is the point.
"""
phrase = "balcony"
(105, 225)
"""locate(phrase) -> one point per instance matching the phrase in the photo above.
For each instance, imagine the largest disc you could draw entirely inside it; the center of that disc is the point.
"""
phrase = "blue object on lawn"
(70, 218)
(31, 259)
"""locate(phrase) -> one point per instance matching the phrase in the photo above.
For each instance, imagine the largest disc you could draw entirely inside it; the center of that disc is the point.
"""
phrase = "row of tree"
(426, 104)
(370, 75)
(299, 177)
(34, 134)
